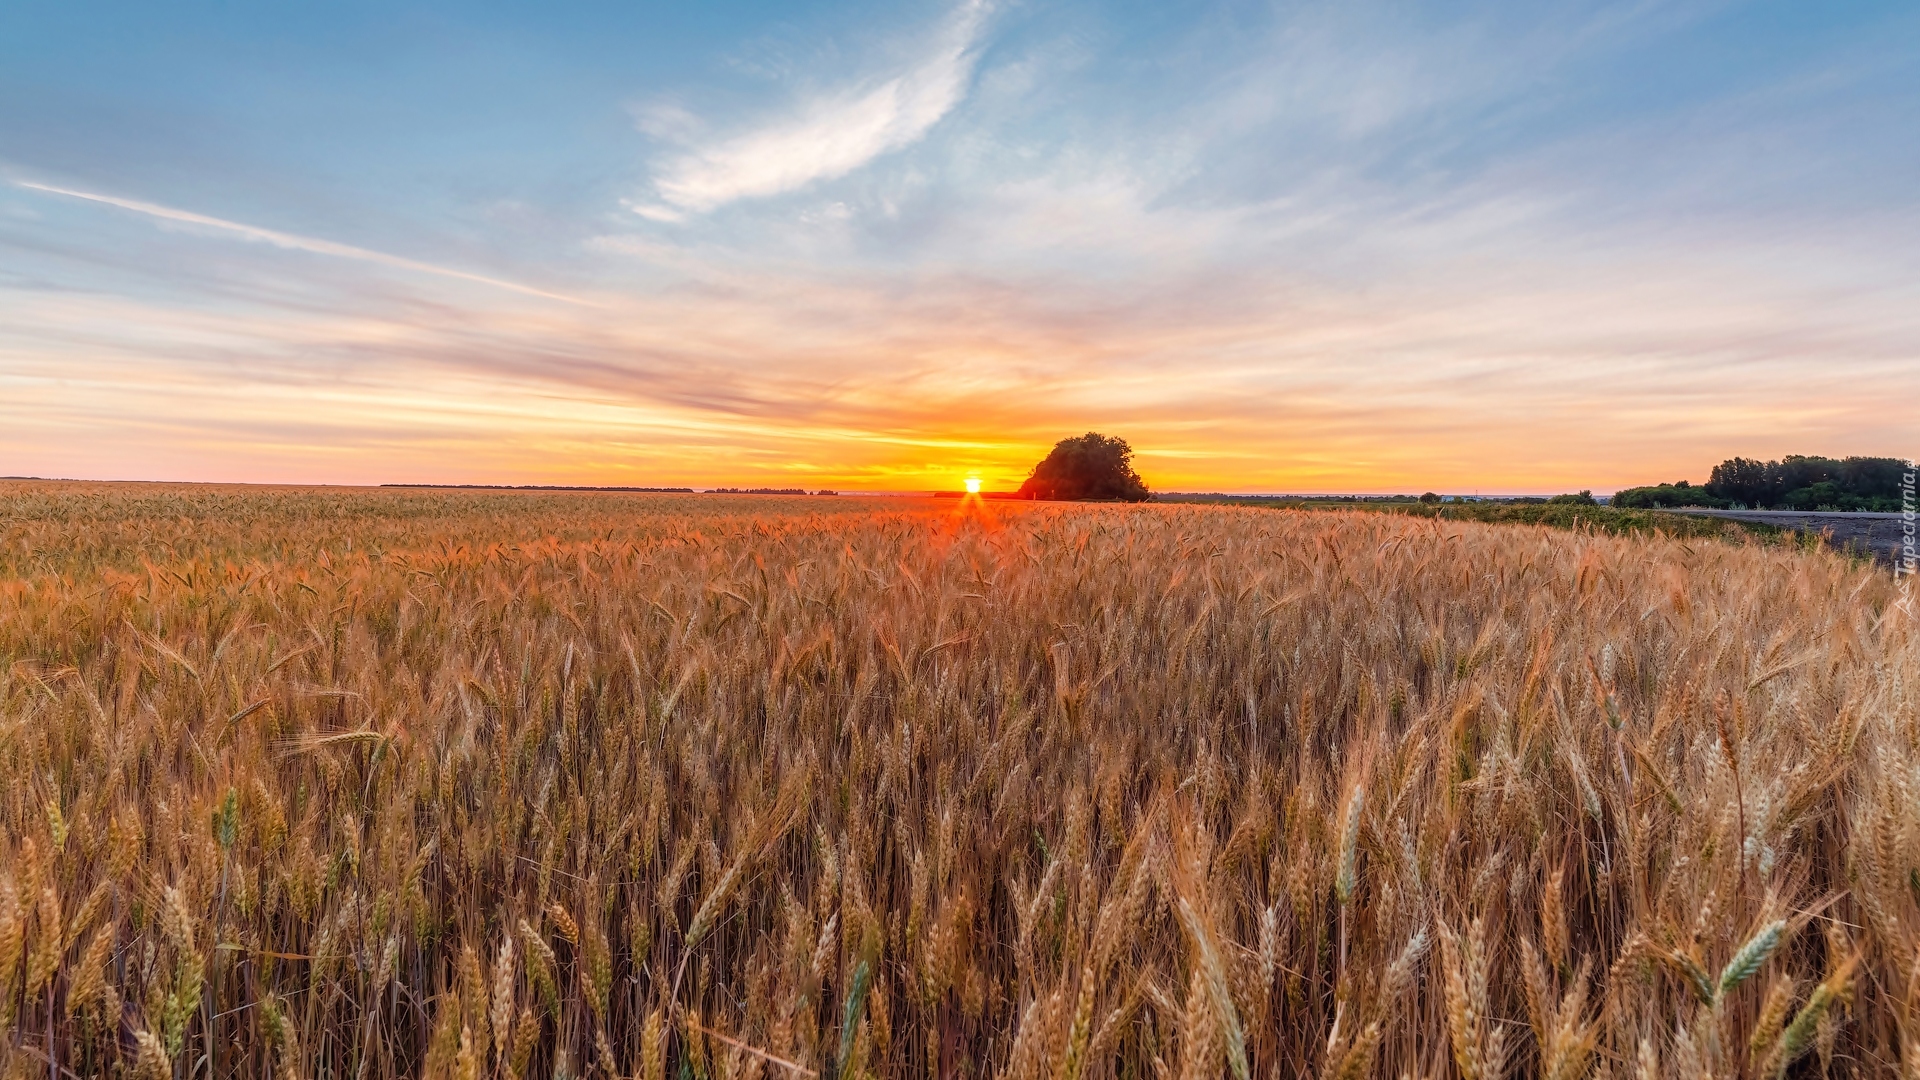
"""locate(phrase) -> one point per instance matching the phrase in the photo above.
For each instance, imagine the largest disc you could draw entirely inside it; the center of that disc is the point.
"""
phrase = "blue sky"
(1343, 246)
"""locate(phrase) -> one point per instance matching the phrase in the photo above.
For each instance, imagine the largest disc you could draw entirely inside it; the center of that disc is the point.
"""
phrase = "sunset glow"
(1287, 247)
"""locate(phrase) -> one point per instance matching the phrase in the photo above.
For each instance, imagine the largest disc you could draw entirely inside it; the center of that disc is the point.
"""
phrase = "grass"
(378, 784)
(1596, 518)
(1605, 519)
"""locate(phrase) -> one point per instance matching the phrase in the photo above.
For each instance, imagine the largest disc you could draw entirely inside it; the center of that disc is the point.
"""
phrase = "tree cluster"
(1802, 482)
(1091, 466)
(1795, 482)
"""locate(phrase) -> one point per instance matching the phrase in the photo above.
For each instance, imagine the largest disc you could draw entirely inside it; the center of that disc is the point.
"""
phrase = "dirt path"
(1880, 534)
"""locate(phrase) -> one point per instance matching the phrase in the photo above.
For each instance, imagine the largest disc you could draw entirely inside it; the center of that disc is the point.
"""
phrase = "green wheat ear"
(1751, 955)
(1798, 1036)
(226, 820)
(856, 1000)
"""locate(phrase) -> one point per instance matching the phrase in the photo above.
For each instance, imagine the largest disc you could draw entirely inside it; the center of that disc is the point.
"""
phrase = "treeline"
(576, 487)
(766, 491)
(539, 487)
(1795, 482)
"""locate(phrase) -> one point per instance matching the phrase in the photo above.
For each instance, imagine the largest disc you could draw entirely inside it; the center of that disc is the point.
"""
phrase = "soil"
(1880, 535)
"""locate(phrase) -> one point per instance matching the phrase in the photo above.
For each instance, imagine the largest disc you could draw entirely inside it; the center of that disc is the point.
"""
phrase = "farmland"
(350, 783)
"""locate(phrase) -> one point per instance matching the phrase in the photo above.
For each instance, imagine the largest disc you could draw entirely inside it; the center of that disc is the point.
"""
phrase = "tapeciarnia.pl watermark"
(1906, 561)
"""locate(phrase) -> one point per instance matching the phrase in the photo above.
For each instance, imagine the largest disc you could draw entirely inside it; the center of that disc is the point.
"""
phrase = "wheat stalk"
(415, 741)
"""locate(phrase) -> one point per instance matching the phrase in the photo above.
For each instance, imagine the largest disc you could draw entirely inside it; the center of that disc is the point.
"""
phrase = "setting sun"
(973, 485)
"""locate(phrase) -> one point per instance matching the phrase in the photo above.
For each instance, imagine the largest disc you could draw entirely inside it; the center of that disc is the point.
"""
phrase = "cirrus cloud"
(826, 137)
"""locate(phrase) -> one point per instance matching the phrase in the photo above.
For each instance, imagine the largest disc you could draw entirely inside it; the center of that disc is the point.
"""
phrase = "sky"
(1522, 246)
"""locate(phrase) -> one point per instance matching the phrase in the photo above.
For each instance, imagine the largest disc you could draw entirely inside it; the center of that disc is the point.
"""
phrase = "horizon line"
(698, 489)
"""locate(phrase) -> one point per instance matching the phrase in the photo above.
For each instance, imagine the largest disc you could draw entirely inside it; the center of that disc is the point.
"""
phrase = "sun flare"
(973, 485)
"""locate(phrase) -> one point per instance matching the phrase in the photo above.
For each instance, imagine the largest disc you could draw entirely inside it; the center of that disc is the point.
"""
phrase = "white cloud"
(291, 241)
(667, 120)
(827, 137)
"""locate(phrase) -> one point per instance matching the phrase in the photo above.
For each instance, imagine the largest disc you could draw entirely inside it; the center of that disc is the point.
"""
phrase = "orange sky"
(747, 382)
(1334, 248)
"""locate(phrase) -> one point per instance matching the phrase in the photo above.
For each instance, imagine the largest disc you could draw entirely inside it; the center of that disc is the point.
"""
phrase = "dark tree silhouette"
(1092, 466)
(1808, 482)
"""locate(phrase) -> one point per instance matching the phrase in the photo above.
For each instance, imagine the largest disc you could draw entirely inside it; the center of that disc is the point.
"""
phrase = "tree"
(1808, 481)
(1584, 498)
(1429, 498)
(1091, 466)
(1742, 480)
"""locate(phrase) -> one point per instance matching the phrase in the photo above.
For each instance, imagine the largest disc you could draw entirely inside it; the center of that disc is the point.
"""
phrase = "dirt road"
(1880, 534)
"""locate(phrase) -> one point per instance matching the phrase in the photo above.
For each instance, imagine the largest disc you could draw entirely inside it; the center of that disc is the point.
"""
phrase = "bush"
(1584, 498)
(1667, 495)
(1827, 495)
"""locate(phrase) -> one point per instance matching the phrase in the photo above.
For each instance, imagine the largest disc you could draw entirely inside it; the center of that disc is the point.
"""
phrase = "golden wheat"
(335, 783)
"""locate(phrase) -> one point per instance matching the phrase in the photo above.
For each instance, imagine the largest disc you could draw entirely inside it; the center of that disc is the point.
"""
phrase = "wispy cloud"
(1307, 246)
(828, 136)
(294, 241)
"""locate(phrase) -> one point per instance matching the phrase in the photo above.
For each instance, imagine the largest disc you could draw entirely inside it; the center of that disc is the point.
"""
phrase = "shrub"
(1665, 496)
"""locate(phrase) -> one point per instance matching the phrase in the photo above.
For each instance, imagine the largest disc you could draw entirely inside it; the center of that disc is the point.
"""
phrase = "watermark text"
(1906, 560)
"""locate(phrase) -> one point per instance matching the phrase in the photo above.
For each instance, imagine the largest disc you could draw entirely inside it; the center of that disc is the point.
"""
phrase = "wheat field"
(368, 784)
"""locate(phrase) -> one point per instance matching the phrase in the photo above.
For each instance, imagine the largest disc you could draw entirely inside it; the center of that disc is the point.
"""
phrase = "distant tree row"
(518, 487)
(1795, 482)
(764, 491)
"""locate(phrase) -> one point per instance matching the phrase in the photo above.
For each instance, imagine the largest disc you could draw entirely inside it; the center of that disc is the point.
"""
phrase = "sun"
(973, 485)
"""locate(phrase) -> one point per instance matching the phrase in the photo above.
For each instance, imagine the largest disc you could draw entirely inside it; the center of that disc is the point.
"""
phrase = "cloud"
(293, 241)
(1344, 252)
(827, 137)
(1562, 377)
